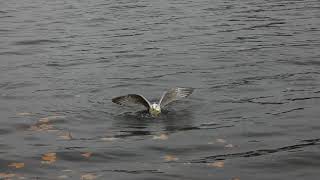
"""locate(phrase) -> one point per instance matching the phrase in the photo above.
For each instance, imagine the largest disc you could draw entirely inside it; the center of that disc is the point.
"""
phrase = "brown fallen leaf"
(221, 141)
(161, 137)
(88, 176)
(217, 164)
(86, 154)
(235, 178)
(48, 158)
(16, 165)
(7, 175)
(169, 158)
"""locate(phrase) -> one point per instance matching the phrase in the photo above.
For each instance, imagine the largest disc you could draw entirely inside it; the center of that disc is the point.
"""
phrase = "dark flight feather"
(132, 99)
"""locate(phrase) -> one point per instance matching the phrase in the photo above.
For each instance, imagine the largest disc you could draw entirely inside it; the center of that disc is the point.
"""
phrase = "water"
(254, 113)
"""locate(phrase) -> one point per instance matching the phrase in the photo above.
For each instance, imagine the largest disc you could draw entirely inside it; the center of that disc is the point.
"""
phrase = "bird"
(154, 108)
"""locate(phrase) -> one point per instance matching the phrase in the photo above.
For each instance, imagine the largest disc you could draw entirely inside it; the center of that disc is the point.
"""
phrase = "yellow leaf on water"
(109, 139)
(44, 124)
(41, 127)
(44, 120)
(88, 176)
(63, 177)
(218, 164)
(170, 158)
(53, 130)
(21, 177)
(24, 114)
(16, 165)
(7, 175)
(221, 141)
(49, 118)
(86, 154)
(67, 170)
(66, 136)
(229, 146)
(48, 158)
(161, 137)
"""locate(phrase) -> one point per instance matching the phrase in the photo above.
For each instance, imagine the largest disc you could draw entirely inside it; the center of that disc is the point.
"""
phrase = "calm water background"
(255, 65)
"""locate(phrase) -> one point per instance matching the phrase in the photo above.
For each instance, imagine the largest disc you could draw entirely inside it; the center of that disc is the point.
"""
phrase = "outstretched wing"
(132, 99)
(174, 94)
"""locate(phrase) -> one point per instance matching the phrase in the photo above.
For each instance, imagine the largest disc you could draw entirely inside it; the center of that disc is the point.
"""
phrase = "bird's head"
(155, 110)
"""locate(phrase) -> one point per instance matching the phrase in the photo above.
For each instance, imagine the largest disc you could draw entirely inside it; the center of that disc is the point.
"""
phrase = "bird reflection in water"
(142, 123)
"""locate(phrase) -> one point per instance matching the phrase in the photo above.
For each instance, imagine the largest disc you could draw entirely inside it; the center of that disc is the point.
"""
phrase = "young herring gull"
(154, 108)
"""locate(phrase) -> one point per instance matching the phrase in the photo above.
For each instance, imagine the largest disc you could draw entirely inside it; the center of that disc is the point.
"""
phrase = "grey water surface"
(254, 64)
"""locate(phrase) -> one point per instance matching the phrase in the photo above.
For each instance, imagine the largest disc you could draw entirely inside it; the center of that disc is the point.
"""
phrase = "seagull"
(154, 108)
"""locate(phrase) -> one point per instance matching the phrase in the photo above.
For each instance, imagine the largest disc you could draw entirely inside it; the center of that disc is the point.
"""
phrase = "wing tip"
(115, 100)
(187, 91)
(118, 100)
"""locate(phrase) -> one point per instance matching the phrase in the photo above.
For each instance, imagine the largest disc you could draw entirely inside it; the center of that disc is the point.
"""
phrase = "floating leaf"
(49, 118)
(218, 164)
(161, 137)
(229, 146)
(41, 127)
(170, 158)
(67, 170)
(63, 177)
(24, 114)
(66, 136)
(88, 177)
(221, 141)
(44, 124)
(86, 154)
(49, 158)
(53, 130)
(44, 120)
(7, 175)
(16, 165)
(109, 139)
(21, 177)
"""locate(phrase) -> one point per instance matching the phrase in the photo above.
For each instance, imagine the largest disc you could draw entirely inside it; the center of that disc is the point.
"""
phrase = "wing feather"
(174, 94)
(132, 99)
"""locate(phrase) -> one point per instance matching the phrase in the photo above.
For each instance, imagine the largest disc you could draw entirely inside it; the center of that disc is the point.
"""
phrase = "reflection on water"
(254, 114)
(141, 123)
